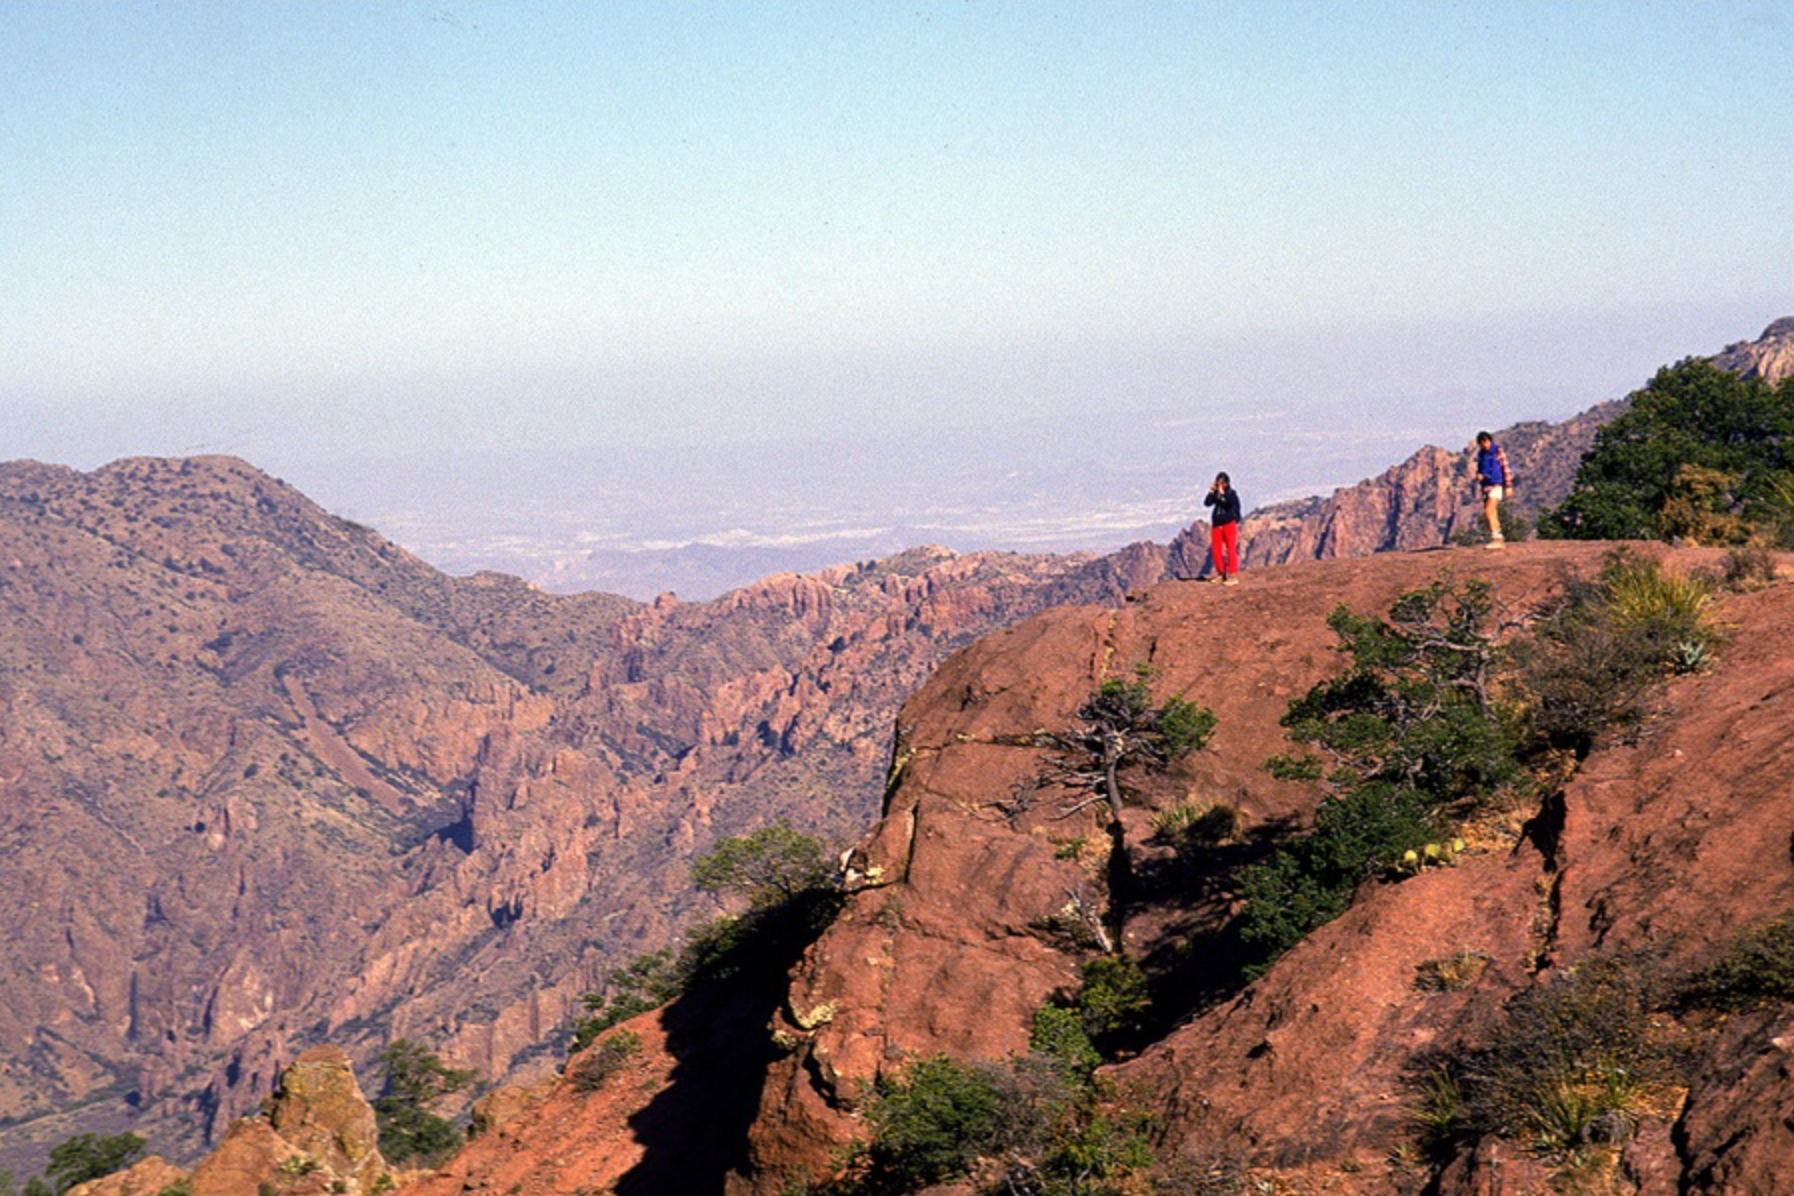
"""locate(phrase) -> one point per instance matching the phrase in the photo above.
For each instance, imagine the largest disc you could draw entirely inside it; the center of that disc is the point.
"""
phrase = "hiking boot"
(1495, 542)
(1230, 580)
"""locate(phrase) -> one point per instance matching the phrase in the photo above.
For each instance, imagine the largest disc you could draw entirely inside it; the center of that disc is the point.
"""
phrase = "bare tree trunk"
(1111, 764)
(1120, 866)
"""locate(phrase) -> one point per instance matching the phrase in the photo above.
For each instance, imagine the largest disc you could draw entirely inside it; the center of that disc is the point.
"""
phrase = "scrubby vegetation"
(785, 884)
(1757, 969)
(1436, 720)
(1598, 655)
(646, 982)
(1572, 1065)
(1039, 1125)
(589, 1072)
(1702, 454)
(77, 1160)
(416, 1082)
(1408, 738)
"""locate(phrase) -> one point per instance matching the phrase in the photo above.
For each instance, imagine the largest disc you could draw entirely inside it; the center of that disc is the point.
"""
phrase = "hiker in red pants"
(1224, 530)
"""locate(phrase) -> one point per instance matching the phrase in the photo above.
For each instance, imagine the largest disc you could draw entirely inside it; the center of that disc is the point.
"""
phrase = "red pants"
(1224, 547)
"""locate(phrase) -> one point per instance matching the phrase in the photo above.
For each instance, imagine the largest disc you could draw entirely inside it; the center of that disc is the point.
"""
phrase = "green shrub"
(933, 1124)
(1094, 1155)
(1415, 738)
(90, 1156)
(1416, 708)
(1195, 826)
(1025, 1125)
(1310, 879)
(1756, 969)
(1574, 1061)
(1114, 1000)
(1598, 657)
(588, 1072)
(1698, 453)
(1295, 768)
(416, 1081)
(1640, 593)
(1058, 1036)
(646, 982)
(775, 864)
(1701, 506)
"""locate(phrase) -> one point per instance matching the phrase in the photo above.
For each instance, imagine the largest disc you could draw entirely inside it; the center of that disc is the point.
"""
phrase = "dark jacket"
(1227, 506)
(1492, 468)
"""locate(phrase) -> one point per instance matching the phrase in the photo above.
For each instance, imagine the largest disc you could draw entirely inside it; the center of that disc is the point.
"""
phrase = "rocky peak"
(1769, 357)
(318, 1108)
(316, 1136)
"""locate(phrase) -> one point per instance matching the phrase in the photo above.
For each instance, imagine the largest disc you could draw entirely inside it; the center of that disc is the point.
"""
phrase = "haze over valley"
(647, 551)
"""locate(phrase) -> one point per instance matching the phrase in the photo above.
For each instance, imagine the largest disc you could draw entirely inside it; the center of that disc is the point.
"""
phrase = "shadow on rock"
(695, 1132)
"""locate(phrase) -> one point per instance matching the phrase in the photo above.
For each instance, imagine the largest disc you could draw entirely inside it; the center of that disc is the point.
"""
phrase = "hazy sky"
(330, 228)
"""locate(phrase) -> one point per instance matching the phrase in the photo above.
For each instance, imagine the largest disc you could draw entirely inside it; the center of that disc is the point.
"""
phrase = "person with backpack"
(1224, 530)
(1496, 477)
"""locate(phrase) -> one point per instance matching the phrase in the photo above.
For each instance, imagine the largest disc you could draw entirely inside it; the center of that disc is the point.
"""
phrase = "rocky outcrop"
(317, 1135)
(319, 1109)
(1667, 846)
(1769, 357)
(147, 1177)
(951, 950)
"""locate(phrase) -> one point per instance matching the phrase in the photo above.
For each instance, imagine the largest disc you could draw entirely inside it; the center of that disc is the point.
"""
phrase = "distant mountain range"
(267, 780)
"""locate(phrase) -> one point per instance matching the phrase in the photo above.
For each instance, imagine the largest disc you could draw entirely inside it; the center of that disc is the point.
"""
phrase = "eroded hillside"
(1663, 846)
(266, 780)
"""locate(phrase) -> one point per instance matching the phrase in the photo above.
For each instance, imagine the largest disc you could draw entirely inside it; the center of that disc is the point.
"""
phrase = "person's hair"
(1222, 477)
(1484, 438)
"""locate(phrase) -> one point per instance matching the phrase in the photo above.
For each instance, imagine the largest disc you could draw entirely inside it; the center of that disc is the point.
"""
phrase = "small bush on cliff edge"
(1757, 969)
(1572, 1063)
(784, 880)
(416, 1082)
(86, 1157)
(647, 982)
(1599, 654)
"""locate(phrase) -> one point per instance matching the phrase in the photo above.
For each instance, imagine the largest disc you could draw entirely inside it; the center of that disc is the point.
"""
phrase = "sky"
(369, 245)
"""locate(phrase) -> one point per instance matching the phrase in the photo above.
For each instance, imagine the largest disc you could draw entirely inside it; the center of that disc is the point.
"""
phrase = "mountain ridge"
(299, 786)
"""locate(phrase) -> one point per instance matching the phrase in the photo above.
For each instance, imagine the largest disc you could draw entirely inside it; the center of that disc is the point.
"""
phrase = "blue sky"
(322, 230)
